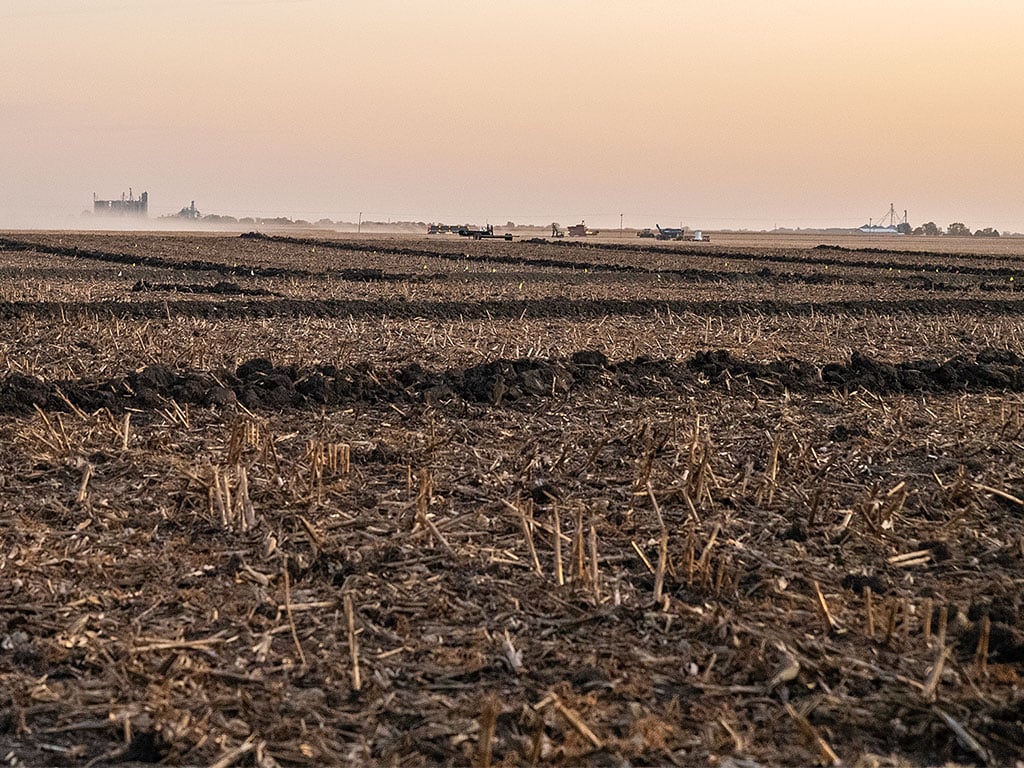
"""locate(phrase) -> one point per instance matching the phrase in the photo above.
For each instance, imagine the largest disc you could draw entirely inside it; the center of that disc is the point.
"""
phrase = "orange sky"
(740, 113)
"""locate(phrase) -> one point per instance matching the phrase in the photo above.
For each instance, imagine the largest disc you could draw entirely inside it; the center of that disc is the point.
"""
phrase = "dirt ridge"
(357, 274)
(500, 309)
(260, 384)
(938, 263)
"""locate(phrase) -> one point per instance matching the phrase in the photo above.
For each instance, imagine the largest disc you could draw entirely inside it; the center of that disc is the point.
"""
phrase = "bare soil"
(277, 500)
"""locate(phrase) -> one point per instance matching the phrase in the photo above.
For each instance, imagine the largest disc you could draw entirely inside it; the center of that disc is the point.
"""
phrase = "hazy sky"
(737, 113)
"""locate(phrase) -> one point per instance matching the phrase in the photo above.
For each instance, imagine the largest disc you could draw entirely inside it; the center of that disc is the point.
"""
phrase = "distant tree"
(987, 232)
(903, 228)
(930, 229)
(958, 229)
(510, 225)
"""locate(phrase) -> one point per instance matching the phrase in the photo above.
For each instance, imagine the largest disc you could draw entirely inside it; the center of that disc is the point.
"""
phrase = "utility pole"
(620, 225)
(359, 226)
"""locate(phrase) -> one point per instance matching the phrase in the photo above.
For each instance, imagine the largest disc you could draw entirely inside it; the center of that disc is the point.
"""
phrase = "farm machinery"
(487, 233)
(467, 230)
(680, 233)
(581, 230)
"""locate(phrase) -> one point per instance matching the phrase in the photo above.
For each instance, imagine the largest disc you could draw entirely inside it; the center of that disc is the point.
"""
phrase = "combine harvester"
(580, 230)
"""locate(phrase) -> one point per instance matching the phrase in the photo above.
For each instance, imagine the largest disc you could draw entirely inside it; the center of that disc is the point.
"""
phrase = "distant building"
(124, 207)
(896, 226)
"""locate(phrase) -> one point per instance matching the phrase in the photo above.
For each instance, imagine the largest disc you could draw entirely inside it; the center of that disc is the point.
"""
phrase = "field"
(324, 499)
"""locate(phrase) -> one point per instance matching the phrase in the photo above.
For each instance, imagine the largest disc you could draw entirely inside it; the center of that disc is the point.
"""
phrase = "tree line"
(956, 229)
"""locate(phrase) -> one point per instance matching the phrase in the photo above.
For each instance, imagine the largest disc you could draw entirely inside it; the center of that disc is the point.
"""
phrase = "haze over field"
(726, 115)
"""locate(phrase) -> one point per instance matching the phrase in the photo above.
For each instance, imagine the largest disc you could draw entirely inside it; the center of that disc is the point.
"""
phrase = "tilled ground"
(305, 501)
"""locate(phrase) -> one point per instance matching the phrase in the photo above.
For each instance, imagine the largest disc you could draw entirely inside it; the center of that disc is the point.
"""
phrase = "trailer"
(443, 229)
(487, 233)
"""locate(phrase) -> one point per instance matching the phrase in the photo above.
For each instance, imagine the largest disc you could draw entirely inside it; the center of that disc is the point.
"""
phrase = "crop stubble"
(297, 500)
